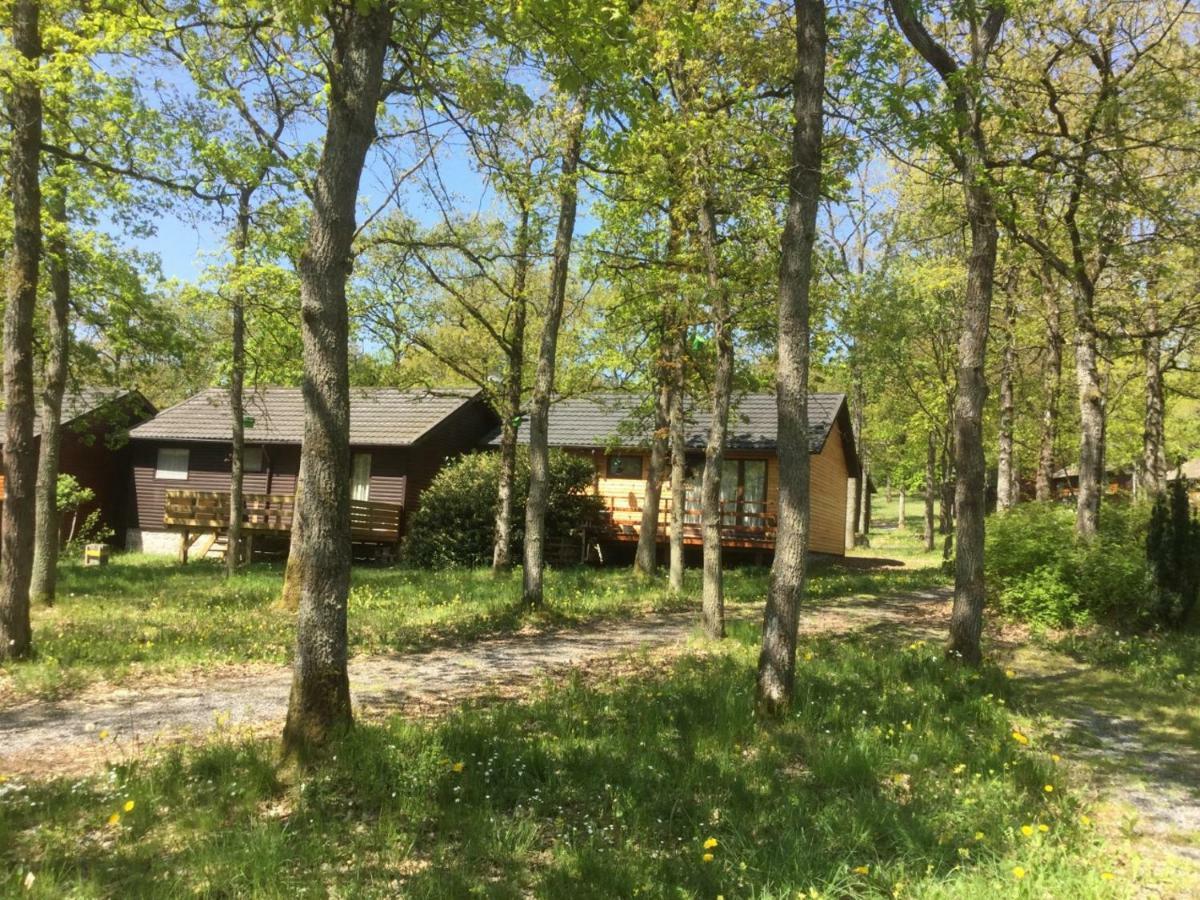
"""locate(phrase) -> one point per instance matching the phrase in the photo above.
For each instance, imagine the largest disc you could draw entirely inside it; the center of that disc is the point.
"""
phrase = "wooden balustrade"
(742, 523)
(370, 521)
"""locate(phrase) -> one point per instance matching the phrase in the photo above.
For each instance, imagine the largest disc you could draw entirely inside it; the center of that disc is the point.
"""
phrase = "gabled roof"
(387, 417)
(80, 403)
(1190, 470)
(620, 420)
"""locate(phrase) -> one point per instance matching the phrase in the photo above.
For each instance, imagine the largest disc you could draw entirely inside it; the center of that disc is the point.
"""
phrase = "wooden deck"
(745, 526)
(207, 512)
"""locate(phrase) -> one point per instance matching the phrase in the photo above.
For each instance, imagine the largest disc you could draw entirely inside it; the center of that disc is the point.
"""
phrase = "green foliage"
(1039, 572)
(896, 775)
(70, 494)
(457, 519)
(1173, 550)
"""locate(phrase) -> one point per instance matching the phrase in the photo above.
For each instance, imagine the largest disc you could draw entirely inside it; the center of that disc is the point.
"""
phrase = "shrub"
(1040, 572)
(456, 522)
(1173, 549)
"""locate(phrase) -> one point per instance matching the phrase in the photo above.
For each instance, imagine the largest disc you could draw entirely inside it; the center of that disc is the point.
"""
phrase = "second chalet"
(612, 429)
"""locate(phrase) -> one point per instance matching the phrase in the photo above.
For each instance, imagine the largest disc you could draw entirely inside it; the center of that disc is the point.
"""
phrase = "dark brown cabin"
(180, 477)
(95, 450)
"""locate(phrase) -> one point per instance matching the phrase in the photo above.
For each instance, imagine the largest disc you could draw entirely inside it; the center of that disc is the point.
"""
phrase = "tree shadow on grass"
(591, 790)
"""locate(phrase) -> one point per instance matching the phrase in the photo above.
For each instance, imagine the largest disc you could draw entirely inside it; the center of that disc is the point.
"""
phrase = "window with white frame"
(172, 464)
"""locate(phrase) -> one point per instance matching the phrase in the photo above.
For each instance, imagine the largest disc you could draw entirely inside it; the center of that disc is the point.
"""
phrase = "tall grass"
(897, 775)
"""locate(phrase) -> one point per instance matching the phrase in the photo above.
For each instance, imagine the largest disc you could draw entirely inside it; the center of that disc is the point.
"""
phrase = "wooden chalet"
(95, 450)
(612, 430)
(180, 476)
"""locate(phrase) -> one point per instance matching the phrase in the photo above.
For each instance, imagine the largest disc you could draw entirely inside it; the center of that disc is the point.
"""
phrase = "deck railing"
(749, 522)
(370, 521)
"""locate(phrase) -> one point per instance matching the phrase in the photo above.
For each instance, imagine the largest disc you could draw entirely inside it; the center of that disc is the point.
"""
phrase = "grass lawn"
(897, 776)
(145, 616)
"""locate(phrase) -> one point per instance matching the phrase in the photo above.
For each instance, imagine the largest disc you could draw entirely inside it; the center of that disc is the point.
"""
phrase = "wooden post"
(185, 540)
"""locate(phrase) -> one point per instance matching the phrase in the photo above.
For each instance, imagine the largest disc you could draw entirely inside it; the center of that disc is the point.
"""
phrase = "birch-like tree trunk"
(1051, 387)
(1091, 415)
(58, 347)
(713, 595)
(1006, 474)
(319, 705)
(777, 661)
(930, 490)
(1154, 455)
(543, 385)
(645, 560)
(901, 520)
(24, 253)
(678, 460)
(514, 386)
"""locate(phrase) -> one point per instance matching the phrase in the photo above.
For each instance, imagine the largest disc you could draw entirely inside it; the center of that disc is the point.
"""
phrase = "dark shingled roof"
(378, 416)
(615, 420)
(78, 403)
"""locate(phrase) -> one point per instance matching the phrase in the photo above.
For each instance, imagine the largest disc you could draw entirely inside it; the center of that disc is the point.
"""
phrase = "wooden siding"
(827, 495)
(458, 433)
(208, 470)
(624, 496)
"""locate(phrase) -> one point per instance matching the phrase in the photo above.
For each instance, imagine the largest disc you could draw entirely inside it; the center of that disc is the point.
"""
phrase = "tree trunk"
(237, 379)
(864, 498)
(713, 600)
(678, 460)
(861, 481)
(1051, 387)
(1091, 417)
(777, 661)
(20, 455)
(930, 489)
(543, 385)
(646, 559)
(289, 596)
(319, 705)
(966, 617)
(1154, 457)
(901, 520)
(1006, 475)
(58, 340)
(511, 408)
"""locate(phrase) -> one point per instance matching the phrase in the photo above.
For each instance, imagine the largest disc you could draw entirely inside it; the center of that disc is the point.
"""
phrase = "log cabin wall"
(827, 495)
(829, 474)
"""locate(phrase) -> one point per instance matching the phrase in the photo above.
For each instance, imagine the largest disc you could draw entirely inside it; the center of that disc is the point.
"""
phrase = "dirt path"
(109, 724)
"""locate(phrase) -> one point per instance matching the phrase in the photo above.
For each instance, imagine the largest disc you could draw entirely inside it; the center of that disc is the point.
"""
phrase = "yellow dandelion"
(129, 804)
(1043, 828)
(457, 767)
(103, 734)
(1054, 757)
(710, 843)
(1107, 876)
(1027, 830)
(1020, 738)
(1085, 820)
(707, 857)
(114, 819)
(1018, 873)
(862, 870)
(1009, 673)
(1049, 788)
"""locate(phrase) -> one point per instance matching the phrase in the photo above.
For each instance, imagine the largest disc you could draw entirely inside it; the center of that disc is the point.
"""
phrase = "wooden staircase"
(214, 545)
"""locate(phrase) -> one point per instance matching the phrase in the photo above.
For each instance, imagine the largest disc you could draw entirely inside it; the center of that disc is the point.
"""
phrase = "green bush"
(456, 522)
(1173, 548)
(1040, 572)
